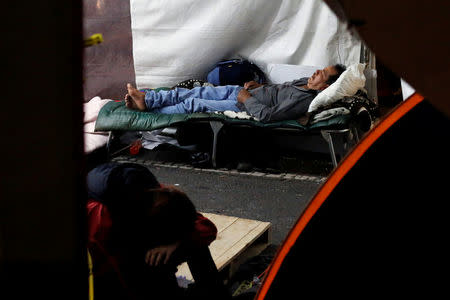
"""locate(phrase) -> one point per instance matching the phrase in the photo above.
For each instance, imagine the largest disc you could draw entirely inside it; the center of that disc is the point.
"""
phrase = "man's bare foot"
(135, 99)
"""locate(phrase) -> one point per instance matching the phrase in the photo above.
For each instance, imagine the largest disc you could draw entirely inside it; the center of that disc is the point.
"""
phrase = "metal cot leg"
(216, 126)
(326, 134)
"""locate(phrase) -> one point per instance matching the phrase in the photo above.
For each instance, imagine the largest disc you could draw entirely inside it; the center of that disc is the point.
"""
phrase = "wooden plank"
(241, 244)
(254, 249)
(235, 236)
(230, 236)
(221, 222)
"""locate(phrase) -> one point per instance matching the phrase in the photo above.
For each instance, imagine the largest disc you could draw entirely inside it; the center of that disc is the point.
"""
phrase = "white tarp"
(407, 90)
(175, 40)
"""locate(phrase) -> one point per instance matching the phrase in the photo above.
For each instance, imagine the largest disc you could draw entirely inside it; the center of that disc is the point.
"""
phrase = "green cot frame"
(114, 116)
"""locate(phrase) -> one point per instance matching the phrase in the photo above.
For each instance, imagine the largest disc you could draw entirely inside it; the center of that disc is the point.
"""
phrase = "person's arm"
(287, 110)
(250, 85)
(203, 234)
(161, 254)
(264, 113)
(98, 223)
(299, 82)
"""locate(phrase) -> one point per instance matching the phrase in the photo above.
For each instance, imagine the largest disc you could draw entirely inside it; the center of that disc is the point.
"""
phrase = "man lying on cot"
(267, 103)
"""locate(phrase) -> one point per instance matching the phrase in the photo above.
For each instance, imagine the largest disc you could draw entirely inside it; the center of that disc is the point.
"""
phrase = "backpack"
(235, 72)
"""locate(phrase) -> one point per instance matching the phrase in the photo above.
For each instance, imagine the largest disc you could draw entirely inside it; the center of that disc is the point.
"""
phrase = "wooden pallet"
(237, 240)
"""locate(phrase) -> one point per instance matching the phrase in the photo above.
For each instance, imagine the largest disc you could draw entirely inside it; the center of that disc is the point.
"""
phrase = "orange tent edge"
(347, 163)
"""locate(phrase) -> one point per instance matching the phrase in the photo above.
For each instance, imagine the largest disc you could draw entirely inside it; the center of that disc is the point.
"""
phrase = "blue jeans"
(199, 99)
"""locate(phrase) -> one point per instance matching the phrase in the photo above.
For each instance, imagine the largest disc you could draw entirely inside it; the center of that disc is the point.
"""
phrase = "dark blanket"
(355, 104)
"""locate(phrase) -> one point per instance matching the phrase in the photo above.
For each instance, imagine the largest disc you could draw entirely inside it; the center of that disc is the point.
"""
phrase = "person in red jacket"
(140, 230)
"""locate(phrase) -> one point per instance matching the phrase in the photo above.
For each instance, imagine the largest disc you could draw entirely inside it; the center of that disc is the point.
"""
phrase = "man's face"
(318, 80)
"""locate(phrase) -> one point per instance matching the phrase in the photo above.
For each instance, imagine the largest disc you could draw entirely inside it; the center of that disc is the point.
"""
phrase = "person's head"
(169, 214)
(118, 185)
(321, 79)
(141, 208)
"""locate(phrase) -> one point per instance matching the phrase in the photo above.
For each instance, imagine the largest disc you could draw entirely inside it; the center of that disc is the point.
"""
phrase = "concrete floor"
(276, 198)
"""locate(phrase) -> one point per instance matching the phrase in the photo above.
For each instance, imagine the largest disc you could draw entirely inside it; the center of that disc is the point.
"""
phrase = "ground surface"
(276, 196)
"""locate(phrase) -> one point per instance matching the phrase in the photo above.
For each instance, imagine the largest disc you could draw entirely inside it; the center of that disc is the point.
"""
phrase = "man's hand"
(250, 85)
(243, 95)
(155, 256)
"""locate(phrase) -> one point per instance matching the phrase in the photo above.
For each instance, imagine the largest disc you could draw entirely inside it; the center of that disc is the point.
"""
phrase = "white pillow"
(350, 81)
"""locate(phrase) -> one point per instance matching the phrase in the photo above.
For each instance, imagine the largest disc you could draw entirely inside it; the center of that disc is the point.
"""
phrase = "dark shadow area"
(389, 88)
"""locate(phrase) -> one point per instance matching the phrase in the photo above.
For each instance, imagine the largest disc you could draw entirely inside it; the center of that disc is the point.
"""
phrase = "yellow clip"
(93, 40)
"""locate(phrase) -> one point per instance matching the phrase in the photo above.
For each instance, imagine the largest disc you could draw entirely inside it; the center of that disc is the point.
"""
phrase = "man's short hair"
(339, 69)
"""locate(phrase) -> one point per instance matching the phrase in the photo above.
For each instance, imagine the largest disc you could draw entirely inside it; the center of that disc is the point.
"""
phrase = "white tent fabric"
(280, 73)
(175, 40)
(407, 90)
